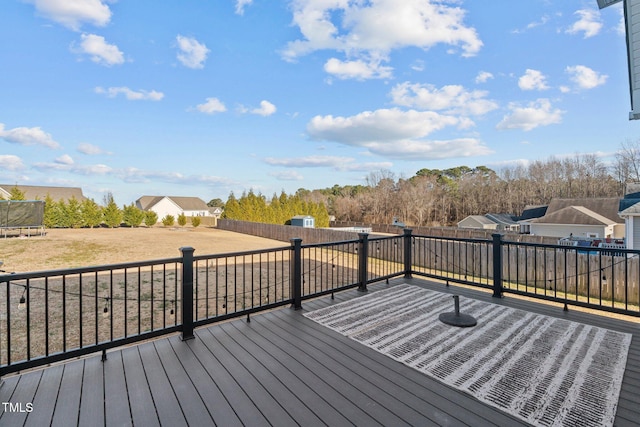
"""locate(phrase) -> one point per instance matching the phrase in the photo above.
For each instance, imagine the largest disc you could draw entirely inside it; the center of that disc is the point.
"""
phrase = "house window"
(592, 235)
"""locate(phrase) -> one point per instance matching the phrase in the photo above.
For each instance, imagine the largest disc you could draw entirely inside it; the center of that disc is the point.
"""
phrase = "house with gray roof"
(498, 222)
(37, 192)
(173, 205)
(576, 221)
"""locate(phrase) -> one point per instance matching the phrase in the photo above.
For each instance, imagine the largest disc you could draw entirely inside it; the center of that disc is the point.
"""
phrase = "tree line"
(73, 213)
(443, 197)
(278, 210)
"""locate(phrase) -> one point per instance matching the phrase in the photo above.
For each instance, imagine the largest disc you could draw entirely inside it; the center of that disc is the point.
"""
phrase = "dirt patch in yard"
(69, 248)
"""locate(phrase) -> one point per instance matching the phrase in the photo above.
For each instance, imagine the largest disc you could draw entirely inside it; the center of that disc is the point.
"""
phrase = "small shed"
(303, 221)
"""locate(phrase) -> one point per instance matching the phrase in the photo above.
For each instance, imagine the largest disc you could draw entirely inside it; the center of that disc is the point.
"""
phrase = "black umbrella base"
(457, 319)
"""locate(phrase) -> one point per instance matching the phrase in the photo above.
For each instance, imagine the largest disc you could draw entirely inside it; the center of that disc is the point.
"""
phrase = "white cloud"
(28, 136)
(66, 164)
(131, 95)
(585, 77)
(533, 80)
(65, 159)
(309, 161)
(354, 27)
(483, 77)
(333, 162)
(450, 98)
(433, 149)
(395, 133)
(10, 162)
(266, 109)
(90, 149)
(74, 13)
(588, 23)
(212, 106)
(537, 113)
(192, 53)
(380, 125)
(357, 69)
(99, 50)
(287, 176)
(241, 4)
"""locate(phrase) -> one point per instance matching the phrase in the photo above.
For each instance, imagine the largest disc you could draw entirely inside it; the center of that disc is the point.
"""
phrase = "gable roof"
(184, 203)
(37, 192)
(502, 218)
(604, 206)
(574, 215)
(479, 219)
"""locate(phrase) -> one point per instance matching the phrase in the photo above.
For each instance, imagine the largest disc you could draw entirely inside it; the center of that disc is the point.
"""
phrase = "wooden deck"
(280, 369)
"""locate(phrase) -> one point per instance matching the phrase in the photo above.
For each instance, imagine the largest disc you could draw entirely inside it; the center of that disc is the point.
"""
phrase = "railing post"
(363, 256)
(296, 273)
(497, 265)
(408, 267)
(187, 293)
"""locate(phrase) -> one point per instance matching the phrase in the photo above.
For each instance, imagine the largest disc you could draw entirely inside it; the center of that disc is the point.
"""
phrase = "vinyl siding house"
(581, 218)
(498, 222)
(172, 205)
(576, 221)
(477, 221)
(36, 192)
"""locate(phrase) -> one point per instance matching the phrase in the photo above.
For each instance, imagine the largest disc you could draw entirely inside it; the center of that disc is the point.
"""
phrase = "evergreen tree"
(132, 216)
(112, 214)
(91, 213)
(232, 208)
(73, 213)
(50, 212)
(195, 221)
(16, 194)
(182, 219)
(150, 218)
(168, 220)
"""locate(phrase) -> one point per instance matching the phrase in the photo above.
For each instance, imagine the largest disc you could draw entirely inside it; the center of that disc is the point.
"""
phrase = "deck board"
(260, 396)
(116, 400)
(143, 410)
(46, 396)
(92, 403)
(279, 369)
(191, 404)
(214, 400)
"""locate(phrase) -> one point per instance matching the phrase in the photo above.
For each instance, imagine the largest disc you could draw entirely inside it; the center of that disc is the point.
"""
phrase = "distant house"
(36, 192)
(478, 222)
(303, 221)
(595, 218)
(576, 221)
(629, 210)
(216, 211)
(498, 222)
(172, 205)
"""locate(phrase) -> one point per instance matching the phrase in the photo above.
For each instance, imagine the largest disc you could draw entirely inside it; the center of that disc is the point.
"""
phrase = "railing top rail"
(325, 244)
(378, 237)
(238, 254)
(81, 270)
(453, 239)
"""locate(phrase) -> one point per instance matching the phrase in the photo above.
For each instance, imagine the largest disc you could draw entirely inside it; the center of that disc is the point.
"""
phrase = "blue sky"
(201, 98)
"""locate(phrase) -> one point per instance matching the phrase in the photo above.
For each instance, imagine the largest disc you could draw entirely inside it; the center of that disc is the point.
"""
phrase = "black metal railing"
(55, 315)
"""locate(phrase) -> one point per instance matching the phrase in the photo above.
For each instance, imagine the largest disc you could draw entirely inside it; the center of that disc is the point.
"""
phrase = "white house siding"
(564, 230)
(618, 231)
(166, 207)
